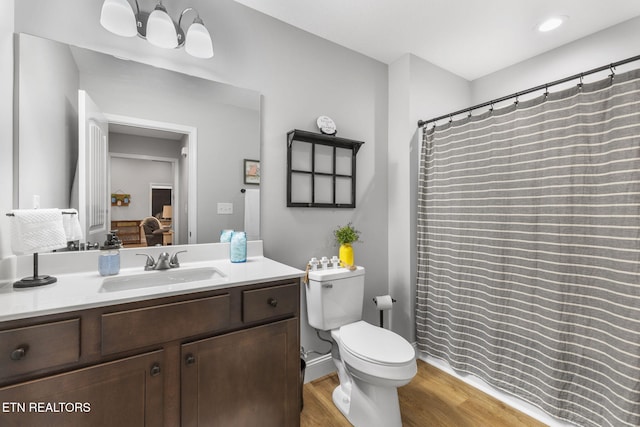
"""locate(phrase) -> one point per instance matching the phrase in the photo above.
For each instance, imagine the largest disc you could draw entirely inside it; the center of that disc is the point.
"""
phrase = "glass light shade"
(118, 17)
(198, 41)
(161, 31)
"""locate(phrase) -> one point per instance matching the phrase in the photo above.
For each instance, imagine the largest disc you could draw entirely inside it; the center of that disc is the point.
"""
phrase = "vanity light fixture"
(551, 23)
(157, 27)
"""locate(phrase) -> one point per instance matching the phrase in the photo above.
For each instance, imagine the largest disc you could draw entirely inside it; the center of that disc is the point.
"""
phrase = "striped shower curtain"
(529, 250)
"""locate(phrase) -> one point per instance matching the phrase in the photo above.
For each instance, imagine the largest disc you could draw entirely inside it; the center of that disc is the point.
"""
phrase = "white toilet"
(372, 362)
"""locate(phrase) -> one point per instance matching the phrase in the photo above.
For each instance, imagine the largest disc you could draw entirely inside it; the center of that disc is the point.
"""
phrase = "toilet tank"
(334, 297)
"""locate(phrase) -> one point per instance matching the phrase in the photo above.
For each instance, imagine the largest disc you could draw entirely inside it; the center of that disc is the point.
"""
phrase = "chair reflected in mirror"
(151, 231)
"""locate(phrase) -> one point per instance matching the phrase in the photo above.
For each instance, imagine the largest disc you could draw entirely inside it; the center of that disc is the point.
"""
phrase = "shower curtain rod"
(546, 86)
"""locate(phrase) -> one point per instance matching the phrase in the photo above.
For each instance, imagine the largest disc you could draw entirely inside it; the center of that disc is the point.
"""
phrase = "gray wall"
(417, 90)
(135, 175)
(300, 77)
(48, 86)
(228, 128)
(227, 119)
(123, 143)
(7, 268)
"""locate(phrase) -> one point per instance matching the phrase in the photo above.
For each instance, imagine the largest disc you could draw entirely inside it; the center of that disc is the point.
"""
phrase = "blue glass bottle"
(238, 247)
(225, 236)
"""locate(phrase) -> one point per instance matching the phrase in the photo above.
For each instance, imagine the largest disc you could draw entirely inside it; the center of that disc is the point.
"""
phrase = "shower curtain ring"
(517, 99)
(580, 84)
(491, 108)
(546, 91)
(613, 71)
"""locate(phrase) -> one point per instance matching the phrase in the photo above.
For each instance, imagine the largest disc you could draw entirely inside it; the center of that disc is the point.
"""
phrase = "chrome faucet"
(173, 262)
(164, 261)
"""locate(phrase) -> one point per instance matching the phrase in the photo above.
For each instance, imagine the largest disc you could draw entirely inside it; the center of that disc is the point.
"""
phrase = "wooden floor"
(432, 399)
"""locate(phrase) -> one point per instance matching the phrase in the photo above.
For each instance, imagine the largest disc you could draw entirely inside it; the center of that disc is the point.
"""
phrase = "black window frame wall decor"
(316, 139)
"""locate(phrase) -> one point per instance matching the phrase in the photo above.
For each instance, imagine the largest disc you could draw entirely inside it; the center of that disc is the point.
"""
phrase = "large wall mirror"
(159, 129)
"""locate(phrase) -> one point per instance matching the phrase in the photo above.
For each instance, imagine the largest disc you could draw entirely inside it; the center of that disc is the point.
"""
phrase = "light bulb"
(551, 23)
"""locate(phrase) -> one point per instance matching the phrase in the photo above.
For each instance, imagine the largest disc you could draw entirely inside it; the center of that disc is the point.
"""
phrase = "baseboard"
(506, 398)
(319, 367)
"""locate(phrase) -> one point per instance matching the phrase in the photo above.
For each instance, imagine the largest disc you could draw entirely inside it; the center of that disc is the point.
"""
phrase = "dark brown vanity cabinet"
(123, 393)
(228, 357)
(246, 378)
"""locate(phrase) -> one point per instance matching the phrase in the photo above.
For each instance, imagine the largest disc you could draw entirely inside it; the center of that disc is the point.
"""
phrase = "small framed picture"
(251, 171)
(119, 199)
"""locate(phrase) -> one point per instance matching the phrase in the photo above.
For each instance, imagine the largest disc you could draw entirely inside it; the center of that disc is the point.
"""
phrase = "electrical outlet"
(225, 208)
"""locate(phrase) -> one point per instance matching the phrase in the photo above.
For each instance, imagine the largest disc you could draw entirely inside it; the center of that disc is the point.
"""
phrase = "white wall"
(602, 48)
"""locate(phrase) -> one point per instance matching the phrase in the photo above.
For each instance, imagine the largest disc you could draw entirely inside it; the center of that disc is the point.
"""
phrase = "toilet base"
(368, 405)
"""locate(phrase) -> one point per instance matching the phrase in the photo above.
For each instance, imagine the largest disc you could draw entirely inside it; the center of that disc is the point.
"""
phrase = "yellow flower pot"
(346, 255)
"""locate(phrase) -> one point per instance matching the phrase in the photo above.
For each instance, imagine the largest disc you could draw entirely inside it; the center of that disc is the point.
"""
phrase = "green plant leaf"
(346, 234)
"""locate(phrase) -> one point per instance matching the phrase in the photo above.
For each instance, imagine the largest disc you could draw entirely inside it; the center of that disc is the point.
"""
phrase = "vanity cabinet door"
(245, 378)
(127, 392)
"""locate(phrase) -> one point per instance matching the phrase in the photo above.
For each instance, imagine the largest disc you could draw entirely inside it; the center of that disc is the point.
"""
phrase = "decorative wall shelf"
(321, 170)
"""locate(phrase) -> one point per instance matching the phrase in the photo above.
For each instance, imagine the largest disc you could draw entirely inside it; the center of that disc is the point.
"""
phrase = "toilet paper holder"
(383, 302)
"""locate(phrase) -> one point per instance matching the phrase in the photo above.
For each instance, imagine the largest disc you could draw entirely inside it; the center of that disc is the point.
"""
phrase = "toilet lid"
(376, 345)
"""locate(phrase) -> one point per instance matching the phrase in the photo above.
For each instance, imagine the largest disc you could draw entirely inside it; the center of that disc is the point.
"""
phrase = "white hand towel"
(252, 214)
(36, 230)
(71, 225)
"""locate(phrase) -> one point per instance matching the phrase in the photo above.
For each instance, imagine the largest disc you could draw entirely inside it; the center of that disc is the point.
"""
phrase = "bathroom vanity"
(218, 352)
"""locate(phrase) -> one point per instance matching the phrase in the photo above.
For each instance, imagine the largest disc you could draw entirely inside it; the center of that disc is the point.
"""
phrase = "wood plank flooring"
(432, 399)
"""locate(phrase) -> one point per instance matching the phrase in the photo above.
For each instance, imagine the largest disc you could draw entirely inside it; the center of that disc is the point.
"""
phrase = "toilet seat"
(376, 345)
(376, 355)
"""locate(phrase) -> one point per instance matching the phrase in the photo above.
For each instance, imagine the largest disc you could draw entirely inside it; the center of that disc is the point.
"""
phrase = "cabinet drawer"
(275, 301)
(126, 330)
(39, 347)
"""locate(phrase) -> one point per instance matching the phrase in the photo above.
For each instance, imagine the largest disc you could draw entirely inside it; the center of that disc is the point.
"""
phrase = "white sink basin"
(161, 278)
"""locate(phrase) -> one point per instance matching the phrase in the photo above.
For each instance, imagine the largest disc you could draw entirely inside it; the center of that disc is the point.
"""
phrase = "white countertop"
(82, 289)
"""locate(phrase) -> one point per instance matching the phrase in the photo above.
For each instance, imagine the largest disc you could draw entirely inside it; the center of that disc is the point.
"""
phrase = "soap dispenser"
(109, 259)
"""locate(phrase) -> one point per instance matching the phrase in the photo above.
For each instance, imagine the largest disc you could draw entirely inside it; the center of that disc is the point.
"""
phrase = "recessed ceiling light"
(551, 23)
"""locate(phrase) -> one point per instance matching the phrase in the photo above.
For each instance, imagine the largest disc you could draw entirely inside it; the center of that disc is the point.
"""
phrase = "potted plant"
(345, 236)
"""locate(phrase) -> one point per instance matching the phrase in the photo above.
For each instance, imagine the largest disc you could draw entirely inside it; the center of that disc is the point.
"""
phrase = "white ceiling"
(470, 38)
